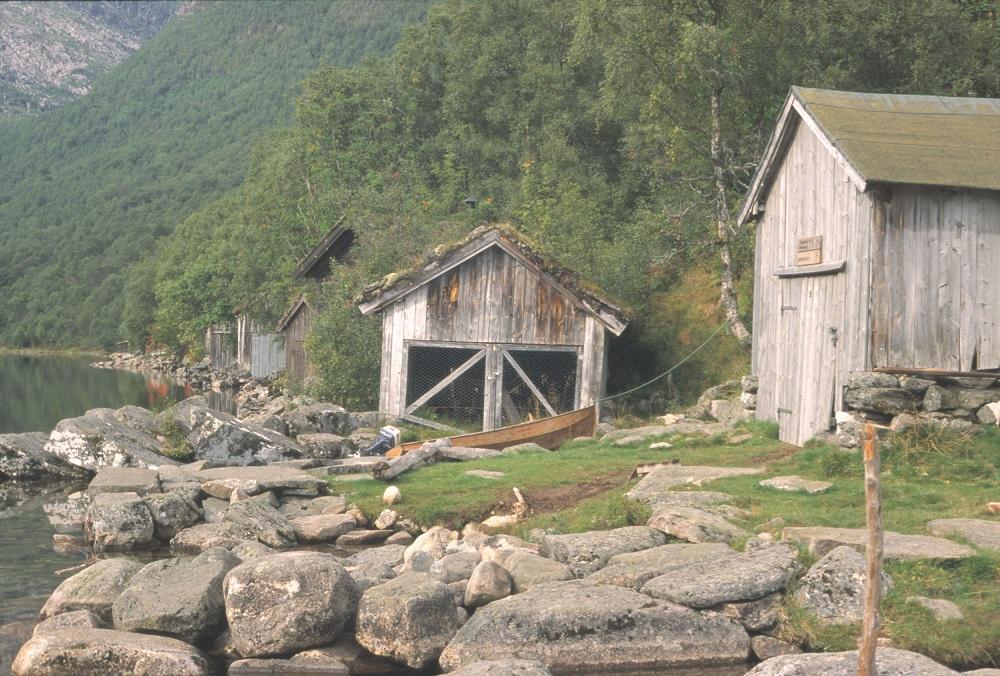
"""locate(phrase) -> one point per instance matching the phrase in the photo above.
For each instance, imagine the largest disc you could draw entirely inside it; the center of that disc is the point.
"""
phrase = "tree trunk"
(722, 219)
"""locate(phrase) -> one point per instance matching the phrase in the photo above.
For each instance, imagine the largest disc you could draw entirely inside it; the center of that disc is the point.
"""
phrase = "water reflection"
(37, 391)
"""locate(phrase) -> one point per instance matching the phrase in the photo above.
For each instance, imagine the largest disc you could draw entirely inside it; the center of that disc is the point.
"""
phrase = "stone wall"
(900, 402)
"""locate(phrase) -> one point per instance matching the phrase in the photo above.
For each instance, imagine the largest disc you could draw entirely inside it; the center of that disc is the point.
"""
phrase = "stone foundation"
(900, 402)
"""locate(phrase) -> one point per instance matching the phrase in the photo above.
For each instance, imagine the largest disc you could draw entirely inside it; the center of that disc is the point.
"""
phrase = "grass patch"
(551, 482)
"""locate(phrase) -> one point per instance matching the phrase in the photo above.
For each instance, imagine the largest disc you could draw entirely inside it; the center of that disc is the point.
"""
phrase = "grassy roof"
(569, 279)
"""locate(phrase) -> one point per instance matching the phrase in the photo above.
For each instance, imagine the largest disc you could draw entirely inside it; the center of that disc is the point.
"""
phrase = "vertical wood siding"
(491, 298)
(938, 281)
(809, 332)
(295, 346)
(267, 355)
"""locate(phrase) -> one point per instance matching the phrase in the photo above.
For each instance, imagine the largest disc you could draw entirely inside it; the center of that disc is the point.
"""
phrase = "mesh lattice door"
(537, 383)
(446, 384)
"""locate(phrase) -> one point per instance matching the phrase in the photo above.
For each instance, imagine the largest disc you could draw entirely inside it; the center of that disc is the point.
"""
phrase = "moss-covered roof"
(398, 284)
(927, 140)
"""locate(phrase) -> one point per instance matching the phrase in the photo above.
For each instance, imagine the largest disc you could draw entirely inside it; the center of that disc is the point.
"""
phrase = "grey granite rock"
(587, 552)
(409, 619)
(576, 627)
(888, 661)
(287, 602)
(746, 576)
(178, 597)
(78, 651)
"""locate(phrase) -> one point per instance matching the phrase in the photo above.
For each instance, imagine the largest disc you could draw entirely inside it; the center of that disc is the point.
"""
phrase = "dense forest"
(87, 190)
(619, 136)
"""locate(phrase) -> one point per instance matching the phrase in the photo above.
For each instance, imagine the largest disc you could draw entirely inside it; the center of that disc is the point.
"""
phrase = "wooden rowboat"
(547, 432)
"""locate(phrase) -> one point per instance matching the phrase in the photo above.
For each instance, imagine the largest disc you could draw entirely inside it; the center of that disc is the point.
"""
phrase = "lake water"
(36, 392)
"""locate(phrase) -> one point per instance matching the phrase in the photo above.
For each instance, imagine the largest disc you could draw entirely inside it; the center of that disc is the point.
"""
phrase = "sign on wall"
(810, 251)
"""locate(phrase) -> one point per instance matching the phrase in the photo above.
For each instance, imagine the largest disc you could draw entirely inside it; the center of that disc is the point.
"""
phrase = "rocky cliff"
(51, 51)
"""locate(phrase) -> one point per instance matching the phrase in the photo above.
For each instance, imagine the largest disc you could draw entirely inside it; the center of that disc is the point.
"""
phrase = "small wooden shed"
(489, 333)
(294, 325)
(878, 246)
(316, 266)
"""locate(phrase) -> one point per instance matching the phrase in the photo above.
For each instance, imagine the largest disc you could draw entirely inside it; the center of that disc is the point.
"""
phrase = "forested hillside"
(618, 135)
(87, 190)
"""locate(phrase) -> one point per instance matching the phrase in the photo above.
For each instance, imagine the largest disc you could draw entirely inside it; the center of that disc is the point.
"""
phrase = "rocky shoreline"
(259, 570)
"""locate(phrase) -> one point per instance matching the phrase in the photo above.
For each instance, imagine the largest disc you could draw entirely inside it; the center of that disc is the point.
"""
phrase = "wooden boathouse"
(877, 246)
(490, 333)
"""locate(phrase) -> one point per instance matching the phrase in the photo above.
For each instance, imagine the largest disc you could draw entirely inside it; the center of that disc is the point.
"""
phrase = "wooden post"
(873, 555)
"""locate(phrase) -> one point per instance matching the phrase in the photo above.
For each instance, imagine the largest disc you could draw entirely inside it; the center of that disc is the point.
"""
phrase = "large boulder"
(318, 419)
(289, 601)
(94, 588)
(103, 437)
(454, 567)
(635, 569)
(276, 478)
(834, 588)
(222, 439)
(74, 618)
(77, 651)
(268, 525)
(409, 619)
(576, 627)
(434, 542)
(202, 536)
(694, 525)
(172, 512)
(119, 522)
(23, 458)
(386, 555)
(321, 445)
(488, 583)
(888, 662)
(586, 552)
(124, 480)
(744, 576)
(322, 527)
(178, 597)
(527, 570)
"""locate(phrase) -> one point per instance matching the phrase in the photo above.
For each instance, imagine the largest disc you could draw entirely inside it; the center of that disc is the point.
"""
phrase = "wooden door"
(812, 321)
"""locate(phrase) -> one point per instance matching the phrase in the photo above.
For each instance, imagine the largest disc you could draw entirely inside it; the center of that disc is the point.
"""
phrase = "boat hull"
(548, 433)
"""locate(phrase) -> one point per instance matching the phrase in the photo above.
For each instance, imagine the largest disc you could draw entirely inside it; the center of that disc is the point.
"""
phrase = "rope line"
(672, 368)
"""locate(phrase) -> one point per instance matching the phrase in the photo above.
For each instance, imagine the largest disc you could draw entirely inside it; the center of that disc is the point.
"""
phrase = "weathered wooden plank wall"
(295, 346)
(267, 355)
(220, 345)
(810, 331)
(938, 257)
(491, 298)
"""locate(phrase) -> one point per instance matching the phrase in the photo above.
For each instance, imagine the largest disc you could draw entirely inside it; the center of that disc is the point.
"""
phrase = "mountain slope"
(50, 52)
(87, 189)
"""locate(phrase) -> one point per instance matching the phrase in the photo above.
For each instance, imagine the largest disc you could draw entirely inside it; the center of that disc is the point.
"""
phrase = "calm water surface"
(37, 391)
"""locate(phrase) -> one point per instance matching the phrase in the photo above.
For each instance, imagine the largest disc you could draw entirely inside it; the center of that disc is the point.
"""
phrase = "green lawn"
(925, 476)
